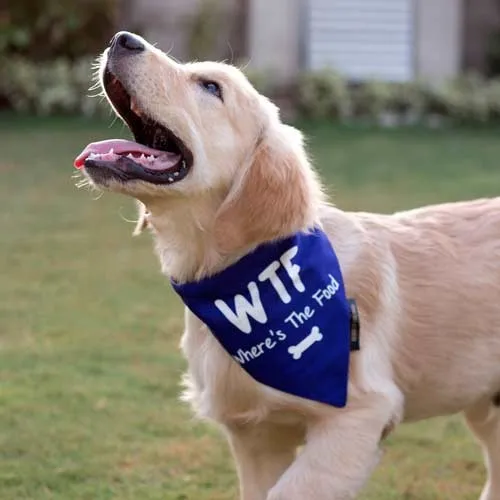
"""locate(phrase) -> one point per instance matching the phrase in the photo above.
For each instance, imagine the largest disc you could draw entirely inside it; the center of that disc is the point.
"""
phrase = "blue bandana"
(282, 314)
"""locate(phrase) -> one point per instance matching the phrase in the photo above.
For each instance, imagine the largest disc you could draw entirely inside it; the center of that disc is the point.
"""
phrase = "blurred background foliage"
(47, 48)
(46, 52)
(40, 30)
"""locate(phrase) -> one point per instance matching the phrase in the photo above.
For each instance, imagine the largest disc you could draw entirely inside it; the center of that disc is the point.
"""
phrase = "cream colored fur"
(427, 283)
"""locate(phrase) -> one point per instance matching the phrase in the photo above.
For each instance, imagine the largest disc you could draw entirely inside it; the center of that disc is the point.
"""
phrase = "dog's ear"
(142, 221)
(272, 197)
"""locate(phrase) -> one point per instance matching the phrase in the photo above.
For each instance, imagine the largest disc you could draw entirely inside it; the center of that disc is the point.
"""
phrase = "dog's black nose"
(127, 42)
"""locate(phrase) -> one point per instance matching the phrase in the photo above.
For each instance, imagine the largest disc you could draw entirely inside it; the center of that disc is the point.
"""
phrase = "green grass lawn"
(89, 330)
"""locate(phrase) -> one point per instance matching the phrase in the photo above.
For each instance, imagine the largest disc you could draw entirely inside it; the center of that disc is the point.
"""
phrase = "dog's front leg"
(262, 453)
(340, 453)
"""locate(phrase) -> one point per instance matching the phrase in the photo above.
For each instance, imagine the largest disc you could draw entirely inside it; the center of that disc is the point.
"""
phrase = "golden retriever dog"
(216, 173)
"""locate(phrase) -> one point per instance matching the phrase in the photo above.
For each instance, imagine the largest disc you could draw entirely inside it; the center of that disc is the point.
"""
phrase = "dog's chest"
(217, 387)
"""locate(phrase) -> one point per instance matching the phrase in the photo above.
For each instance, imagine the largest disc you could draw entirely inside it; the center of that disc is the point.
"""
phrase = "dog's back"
(446, 352)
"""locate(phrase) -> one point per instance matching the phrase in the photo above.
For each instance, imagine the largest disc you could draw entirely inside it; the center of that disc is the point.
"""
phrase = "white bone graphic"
(297, 350)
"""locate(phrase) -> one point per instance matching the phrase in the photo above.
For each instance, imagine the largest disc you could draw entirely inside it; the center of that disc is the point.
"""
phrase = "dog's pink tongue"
(118, 146)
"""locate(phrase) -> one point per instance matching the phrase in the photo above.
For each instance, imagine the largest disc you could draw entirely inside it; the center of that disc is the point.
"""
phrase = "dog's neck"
(186, 247)
(183, 230)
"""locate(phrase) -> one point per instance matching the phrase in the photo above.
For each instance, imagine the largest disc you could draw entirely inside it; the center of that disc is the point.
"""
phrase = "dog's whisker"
(169, 54)
(244, 66)
(95, 85)
(113, 121)
(231, 51)
(124, 218)
(100, 194)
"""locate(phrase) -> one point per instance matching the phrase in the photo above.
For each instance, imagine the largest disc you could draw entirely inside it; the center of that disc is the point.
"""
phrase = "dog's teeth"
(130, 156)
(170, 179)
(183, 163)
(142, 156)
(111, 151)
(176, 174)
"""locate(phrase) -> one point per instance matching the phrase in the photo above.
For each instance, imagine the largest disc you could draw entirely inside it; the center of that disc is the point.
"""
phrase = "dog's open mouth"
(158, 156)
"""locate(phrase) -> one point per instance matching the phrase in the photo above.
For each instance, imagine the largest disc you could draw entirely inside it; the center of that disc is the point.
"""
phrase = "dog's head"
(201, 129)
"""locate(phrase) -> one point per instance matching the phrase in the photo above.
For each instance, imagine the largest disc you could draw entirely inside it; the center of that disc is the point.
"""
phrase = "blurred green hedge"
(41, 30)
(469, 99)
(58, 86)
(62, 86)
(46, 49)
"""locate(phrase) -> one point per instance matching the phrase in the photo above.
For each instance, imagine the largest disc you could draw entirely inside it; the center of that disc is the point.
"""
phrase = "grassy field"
(89, 363)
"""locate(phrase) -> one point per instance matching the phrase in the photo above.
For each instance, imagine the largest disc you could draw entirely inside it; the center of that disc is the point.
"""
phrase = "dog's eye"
(212, 88)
